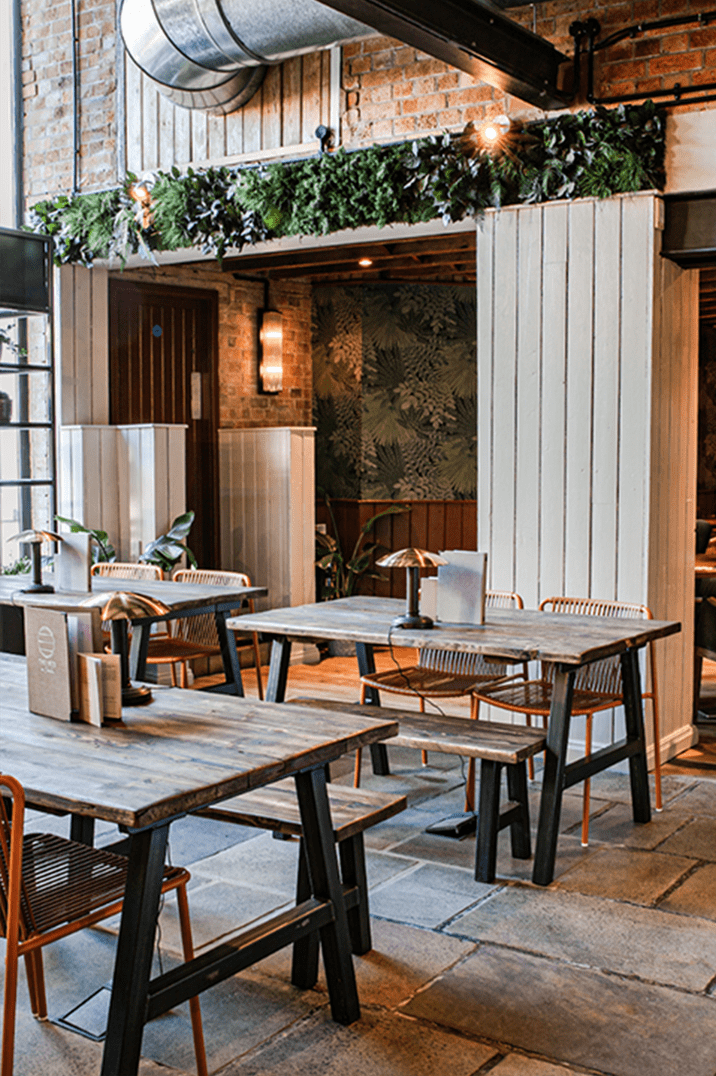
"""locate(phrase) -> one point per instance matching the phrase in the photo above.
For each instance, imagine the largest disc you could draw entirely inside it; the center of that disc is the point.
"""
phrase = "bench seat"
(496, 745)
(275, 807)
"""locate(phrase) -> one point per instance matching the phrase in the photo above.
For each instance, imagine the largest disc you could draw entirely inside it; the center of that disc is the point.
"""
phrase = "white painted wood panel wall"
(267, 511)
(82, 345)
(279, 121)
(126, 480)
(587, 405)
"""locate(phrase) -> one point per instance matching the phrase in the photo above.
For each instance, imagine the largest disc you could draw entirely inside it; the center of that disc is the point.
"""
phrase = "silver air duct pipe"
(213, 54)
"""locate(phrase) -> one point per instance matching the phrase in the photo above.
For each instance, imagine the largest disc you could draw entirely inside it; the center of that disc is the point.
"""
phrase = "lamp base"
(134, 695)
(38, 588)
(412, 620)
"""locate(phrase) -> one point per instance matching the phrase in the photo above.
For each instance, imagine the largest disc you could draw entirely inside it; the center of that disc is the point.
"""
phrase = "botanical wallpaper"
(394, 380)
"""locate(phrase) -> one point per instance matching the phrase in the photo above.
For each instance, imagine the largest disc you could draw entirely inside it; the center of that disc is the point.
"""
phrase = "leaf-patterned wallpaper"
(394, 389)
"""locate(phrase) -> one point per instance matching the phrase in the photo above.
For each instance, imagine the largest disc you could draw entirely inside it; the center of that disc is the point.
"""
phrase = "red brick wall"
(240, 404)
(47, 90)
(392, 91)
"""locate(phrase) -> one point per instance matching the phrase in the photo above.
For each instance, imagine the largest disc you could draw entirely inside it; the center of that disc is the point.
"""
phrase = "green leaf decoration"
(594, 153)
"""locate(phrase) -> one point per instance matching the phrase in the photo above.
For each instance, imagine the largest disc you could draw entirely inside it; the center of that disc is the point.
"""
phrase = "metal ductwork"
(213, 54)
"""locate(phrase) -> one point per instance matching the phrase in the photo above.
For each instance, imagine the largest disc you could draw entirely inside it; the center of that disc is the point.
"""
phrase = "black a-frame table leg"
(320, 852)
(634, 717)
(133, 962)
(366, 665)
(553, 776)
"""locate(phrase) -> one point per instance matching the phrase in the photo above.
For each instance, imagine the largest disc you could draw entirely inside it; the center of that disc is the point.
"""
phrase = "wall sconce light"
(491, 133)
(270, 351)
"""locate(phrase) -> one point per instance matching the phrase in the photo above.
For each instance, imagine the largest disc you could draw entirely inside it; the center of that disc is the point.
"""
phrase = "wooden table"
(184, 751)
(183, 599)
(515, 635)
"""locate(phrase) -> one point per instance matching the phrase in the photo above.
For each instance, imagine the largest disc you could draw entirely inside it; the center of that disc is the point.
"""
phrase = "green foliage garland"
(578, 154)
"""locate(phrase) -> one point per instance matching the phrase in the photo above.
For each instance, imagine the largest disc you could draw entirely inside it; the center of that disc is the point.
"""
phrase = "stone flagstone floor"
(611, 970)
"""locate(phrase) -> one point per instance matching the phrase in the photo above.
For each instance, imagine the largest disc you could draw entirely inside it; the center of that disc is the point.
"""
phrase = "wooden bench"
(275, 807)
(497, 746)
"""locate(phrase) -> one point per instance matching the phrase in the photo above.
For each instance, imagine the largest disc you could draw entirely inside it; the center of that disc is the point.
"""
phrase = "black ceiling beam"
(476, 37)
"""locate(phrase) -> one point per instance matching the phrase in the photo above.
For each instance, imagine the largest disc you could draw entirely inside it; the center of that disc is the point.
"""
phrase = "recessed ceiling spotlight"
(365, 263)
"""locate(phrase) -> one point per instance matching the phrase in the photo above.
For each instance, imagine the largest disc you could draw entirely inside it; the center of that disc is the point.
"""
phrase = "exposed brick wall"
(394, 91)
(240, 404)
(645, 63)
(47, 90)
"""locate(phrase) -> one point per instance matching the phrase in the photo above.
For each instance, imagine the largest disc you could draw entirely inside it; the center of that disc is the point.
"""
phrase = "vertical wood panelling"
(503, 397)
(267, 509)
(485, 360)
(82, 361)
(604, 442)
(580, 347)
(554, 379)
(283, 115)
(128, 481)
(607, 359)
(528, 387)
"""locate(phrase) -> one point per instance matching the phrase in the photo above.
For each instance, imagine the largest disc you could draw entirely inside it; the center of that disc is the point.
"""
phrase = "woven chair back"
(202, 629)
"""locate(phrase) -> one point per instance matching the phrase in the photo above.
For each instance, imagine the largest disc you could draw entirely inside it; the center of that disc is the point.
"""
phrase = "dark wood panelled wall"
(429, 525)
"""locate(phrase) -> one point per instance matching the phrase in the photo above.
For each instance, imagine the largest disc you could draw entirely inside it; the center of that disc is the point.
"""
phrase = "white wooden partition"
(82, 344)
(587, 407)
(267, 487)
(126, 480)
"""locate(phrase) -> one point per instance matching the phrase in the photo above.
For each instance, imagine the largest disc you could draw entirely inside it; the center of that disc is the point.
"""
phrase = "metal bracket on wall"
(680, 95)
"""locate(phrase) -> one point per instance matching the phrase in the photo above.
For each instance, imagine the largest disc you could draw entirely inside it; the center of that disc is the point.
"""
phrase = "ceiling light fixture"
(492, 132)
(365, 263)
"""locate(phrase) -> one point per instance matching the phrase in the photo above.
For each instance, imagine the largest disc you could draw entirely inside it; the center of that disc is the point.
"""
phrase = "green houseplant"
(168, 549)
(340, 574)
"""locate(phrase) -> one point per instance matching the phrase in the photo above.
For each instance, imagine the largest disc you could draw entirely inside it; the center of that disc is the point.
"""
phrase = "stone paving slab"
(379, 1044)
(696, 798)
(402, 961)
(575, 1016)
(597, 933)
(273, 863)
(695, 895)
(428, 896)
(519, 1065)
(615, 825)
(697, 839)
(216, 910)
(625, 874)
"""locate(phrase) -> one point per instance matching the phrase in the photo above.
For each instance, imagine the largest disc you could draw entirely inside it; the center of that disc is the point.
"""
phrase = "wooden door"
(163, 369)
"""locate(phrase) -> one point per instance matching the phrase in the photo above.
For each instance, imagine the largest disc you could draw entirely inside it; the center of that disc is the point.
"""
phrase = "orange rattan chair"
(445, 674)
(51, 887)
(597, 686)
(124, 570)
(200, 631)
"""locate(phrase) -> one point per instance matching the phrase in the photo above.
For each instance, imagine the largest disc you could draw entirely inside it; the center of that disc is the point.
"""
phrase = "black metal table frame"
(227, 643)
(558, 773)
(136, 998)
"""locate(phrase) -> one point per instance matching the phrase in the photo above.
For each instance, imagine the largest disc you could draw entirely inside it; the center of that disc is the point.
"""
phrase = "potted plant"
(338, 575)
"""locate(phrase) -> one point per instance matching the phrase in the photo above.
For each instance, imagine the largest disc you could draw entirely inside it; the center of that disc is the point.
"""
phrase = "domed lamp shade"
(412, 560)
(35, 538)
(119, 607)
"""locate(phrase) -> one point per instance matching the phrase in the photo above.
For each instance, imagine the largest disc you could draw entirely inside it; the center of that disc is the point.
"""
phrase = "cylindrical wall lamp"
(270, 351)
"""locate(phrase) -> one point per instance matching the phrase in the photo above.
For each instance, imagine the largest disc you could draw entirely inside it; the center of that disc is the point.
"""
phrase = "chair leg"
(587, 783)
(257, 659)
(657, 729)
(173, 672)
(470, 779)
(194, 1006)
(36, 983)
(359, 752)
(531, 760)
(423, 754)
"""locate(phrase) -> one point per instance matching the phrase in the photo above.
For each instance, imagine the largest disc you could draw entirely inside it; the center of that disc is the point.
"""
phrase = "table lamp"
(412, 560)
(119, 607)
(35, 539)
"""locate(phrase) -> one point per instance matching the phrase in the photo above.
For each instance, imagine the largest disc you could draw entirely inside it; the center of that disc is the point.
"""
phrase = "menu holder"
(53, 639)
(461, 587)
(74, 561)
(99, 688)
